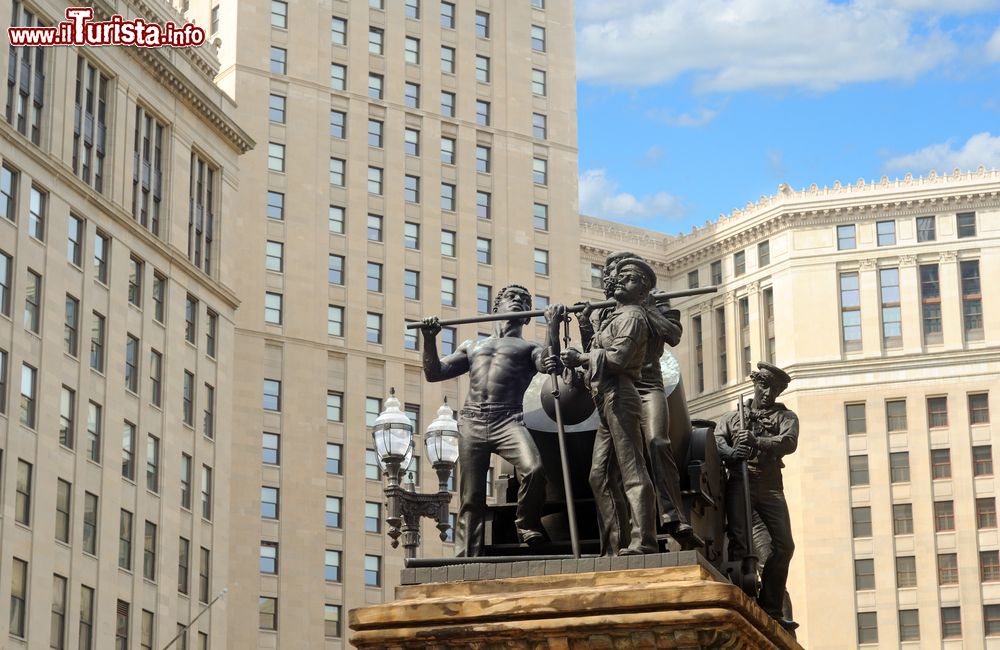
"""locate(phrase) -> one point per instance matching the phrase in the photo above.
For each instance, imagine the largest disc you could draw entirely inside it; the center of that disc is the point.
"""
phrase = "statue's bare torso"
(500, 368)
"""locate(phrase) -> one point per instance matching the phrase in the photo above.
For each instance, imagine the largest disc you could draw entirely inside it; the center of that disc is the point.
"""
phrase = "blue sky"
(690, 108)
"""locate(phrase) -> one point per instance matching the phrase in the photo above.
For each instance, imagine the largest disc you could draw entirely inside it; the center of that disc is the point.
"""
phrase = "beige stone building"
(414, 157)
(878, 299)
(117, 190)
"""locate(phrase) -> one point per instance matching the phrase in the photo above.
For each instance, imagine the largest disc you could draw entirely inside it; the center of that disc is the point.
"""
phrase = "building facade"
(414, 157)
(878, 300)
(117, 187)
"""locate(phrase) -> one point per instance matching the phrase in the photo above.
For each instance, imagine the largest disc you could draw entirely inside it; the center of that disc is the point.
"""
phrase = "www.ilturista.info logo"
(79, 29)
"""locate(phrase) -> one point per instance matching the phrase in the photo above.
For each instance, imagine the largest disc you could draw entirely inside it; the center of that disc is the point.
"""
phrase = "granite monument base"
(669, 600)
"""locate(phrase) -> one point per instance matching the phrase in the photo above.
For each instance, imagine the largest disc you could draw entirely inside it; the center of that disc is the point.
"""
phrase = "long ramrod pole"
(570, 309)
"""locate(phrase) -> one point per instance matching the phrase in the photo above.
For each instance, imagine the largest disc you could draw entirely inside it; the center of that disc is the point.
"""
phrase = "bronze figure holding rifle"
(757, 436)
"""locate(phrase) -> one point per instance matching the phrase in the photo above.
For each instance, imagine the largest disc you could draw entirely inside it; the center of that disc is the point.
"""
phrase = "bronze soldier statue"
(500, 369)
(769, 432)
(665, 329)
(614, 365)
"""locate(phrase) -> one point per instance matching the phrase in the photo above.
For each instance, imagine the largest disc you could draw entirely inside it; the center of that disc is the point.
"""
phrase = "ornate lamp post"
(393, 438)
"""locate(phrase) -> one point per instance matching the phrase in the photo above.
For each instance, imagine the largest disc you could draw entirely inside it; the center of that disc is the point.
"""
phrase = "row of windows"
(944, 518)
(19, 603)
(906, 570)
(940, 459)
(411, 184)
(856, 419)
(93, 87)
(909, 624)
(715, 268)
(332, 614)
(926, 227)
(890, 305)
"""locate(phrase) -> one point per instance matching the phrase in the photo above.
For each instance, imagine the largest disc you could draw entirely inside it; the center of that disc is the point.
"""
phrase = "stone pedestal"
(572, 605)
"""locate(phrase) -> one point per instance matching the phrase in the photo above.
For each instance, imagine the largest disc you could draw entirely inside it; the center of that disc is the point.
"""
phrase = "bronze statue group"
(634, 474)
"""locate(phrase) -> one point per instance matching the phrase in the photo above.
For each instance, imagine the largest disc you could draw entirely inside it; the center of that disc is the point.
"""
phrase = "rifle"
(664, 296)
(750, 560)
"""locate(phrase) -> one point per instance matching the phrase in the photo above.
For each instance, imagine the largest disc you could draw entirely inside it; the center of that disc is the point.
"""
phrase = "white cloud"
(652, 157)
(700, 117)
(599, 197)
(980, 149)
(742, 44)
(993, 47)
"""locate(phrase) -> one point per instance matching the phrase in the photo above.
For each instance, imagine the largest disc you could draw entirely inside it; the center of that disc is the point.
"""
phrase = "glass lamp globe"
(393, 435)
(442, 437)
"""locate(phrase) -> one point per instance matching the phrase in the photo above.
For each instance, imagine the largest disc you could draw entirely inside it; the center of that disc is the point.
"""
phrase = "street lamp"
(393, 439)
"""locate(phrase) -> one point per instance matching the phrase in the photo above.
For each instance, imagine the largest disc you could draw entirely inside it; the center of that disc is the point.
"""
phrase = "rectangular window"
(861, 521)
(483, 159)
(373, 570)
(279, 14)
(159, 296)
(274, 256)
(375, 133)
(482, 112)
(373, 276)
(411, 284)
(411, 235)
(202, 207)
(375, 180)
(335, 269)
(540, 171)
(540, 216)
(855, 418)
(937, 412)
(268, 619)
(892, 317)
(972, 301)
(373, 328)
(989, 566)
(206, 492)
(338, 31)
(372, 470)
(331, 569)
(334, 320)
(940, 463)
(90, 126)
(183, 566)
(102, 252)
(448, 150)
(57, 626)
(951, 622)
(926, 229)
(484, 250)
(90, 523)
(186, 470)
(991, 620)
(375, 86)
(276, 157)
(930, 303)
(769, 322)
(335, 220)
(152, 463)
(149, 552)
(537, 38)
(269, 502)
(482, 68)
(413, 9)
(272, 395)
(128, 450)
(944, 516)
(541, 262)
(411, 50)
(539, 126)
(188, 398)
(8, 191)
(125, 540)
(411, 95)
(71, 330)
(986, 512)
(276, 108)
(739, 263)
(947, 566)
(982, 460)
(18, 597)
(720, 342)
(272, 308)
(899, 467)
(64, 497)
(895, 415)
(699, 359)
(270, 448)
(3, 381)
(858, 470)
(850, 311)
(906, 572)
(338, 76)
(29, 387)
(269, 558)
(333, 509)
(966, 222)
(94, 427)
(338, 121)
(902, 519)
(74, 235)
(716, 272)
(909, 625)
(33, 302)
(447, 59)
(448, 197)
(447, 104)
(846, 237)
(334, 406)
(886, 232)
(484, 302)
(448, 243)
(373, 517)
(22, 501)
(6, 267)
(763, 254)
(979, 408)
(744, 310)
(448, 292)
(411, 188)
(448, 15)
(411, 142)
(275, 205)
(26, 80)
(131, 364)
(122, 626)
(334, 454)
(538, 82)
(692, 281)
